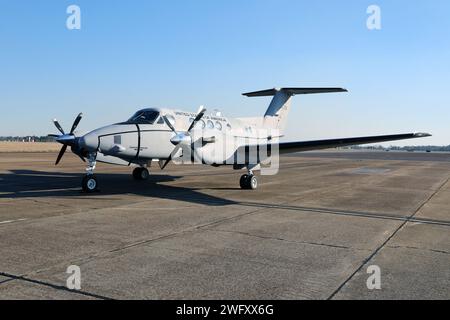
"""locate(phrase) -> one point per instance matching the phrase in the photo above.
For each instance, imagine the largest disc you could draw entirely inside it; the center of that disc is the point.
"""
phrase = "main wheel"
(89, 184)
(243, 181)
(252, 182)
(141, 173)
(248, 182)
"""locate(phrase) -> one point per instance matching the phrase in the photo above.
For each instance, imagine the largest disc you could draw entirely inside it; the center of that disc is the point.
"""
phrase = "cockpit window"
(144, 117)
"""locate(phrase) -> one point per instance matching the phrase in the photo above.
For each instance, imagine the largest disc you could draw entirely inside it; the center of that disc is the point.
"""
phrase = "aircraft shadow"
(42, 184)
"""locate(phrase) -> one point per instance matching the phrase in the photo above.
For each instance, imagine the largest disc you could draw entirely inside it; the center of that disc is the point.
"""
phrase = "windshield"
(144, 117)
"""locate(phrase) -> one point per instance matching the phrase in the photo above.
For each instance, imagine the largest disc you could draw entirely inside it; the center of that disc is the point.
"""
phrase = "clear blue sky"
(131, 54)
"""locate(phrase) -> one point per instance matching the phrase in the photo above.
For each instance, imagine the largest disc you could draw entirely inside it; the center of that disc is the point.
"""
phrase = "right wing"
(292, 147)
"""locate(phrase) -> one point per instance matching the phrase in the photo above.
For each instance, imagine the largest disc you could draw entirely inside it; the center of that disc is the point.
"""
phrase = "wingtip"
(422, 135)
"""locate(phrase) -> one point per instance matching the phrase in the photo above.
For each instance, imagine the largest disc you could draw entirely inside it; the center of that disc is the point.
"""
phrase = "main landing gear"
(140, 173)
(249, 181)
(89, 183)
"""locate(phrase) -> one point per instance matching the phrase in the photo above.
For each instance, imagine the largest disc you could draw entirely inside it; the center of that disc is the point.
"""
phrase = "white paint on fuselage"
(122, 140)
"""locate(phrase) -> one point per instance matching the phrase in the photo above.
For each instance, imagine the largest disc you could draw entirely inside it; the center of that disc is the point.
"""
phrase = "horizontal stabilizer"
(292, 91)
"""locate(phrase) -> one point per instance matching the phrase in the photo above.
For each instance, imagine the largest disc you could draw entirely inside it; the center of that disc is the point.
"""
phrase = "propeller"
(200, 113)
(67, 139)
(181, 138)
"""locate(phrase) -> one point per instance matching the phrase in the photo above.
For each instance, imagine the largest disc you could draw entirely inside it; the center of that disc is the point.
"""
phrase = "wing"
(292, 147)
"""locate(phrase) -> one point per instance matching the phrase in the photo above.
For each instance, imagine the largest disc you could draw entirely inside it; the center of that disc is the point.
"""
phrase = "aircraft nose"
(89, 142)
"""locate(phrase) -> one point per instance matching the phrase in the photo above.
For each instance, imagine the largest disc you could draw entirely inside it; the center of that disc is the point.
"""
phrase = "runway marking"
(11, 221)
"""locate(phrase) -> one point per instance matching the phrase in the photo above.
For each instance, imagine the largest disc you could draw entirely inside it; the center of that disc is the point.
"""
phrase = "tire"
(137, 173)
(252, 182)
(89, 184)
(144, 174)
(243, 181)
(140, 173)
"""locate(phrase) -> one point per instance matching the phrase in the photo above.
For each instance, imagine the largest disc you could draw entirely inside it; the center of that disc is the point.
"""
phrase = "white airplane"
(245, 143)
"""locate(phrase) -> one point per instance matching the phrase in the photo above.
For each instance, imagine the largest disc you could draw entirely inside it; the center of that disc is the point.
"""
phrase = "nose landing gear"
(89, 183)
(249, 181)
(141, 173)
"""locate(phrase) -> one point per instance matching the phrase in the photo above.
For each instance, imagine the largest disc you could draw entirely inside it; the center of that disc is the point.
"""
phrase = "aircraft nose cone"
(89, 142)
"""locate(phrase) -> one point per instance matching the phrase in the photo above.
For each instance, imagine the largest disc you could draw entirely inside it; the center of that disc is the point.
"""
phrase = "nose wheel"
(248, 182)
(140, 173)
(89, 184)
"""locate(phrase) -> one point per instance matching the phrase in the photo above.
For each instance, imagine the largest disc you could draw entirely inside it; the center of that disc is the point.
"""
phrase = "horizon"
(156, 54)
(365, 146)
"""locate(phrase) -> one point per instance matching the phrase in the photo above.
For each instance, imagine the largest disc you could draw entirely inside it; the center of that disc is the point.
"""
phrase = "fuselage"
(146, 136)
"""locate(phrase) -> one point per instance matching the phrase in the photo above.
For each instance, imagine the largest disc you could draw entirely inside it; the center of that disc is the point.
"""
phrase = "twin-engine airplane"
(245, 143)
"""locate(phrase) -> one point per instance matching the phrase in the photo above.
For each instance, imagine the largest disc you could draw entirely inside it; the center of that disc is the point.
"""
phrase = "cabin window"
(160, 120)
(218, 125)
(210, 124)
(118, 139)
(200, 124)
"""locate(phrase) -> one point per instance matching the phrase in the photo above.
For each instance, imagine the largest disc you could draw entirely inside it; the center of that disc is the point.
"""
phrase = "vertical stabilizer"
(278, 110)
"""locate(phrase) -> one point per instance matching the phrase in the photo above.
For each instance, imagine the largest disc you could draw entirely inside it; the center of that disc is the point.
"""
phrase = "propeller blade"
(169, 124)
(200, 115)
(202, 107)
(166, 163)
(76, 122)
(61, 153)
(174, 152)
(77, 151)
(58, 126)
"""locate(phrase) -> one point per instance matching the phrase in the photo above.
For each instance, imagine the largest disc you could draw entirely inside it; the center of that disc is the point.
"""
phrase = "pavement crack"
(50, 285)
(154, 239)
(417, 248)
(188, 230)
(287, 240)
(400, 227)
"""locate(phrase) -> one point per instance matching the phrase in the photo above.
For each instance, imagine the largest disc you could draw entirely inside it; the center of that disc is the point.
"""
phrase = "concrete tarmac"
(190, 232)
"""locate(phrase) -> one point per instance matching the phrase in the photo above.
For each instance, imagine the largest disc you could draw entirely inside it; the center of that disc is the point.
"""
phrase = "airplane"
(163, 135)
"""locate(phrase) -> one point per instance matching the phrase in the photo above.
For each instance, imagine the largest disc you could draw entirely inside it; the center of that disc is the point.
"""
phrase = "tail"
(278, 110)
